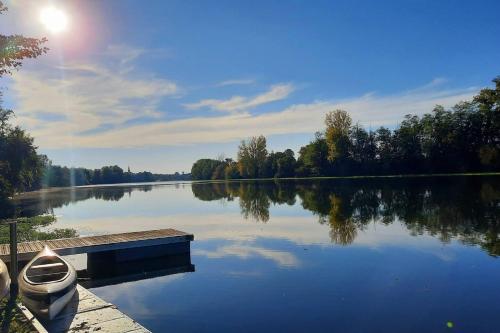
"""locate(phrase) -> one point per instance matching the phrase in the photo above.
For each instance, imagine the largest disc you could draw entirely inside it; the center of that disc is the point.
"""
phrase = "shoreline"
(184, 182)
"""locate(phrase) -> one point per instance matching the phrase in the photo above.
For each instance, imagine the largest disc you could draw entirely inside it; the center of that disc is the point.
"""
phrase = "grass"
(12, 319)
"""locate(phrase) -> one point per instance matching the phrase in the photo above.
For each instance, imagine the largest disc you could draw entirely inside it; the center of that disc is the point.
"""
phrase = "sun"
(55, 20)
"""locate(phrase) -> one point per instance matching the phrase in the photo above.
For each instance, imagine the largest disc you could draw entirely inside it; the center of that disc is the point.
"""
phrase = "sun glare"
(55, 20)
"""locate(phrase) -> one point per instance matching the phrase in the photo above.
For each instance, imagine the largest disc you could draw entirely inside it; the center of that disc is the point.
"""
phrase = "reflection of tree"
(43, 202)
(254, 201)
(343, 230)
(463, 208)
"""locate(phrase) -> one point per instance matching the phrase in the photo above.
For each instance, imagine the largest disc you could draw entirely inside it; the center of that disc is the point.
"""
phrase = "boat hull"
(48, 307)
(44, 297)
(4, 280)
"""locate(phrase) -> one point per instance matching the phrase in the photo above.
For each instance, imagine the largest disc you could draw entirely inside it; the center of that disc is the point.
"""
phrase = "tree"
(488, 103)
(15, 48)
(280, 164)
(384, 150)
(338, 124)
(252, 157)
(204, 168)
(313, 158)
(220, 171)
(20, 166)
(407, 144)
(232, 171)
(362, 150)
(286, 164)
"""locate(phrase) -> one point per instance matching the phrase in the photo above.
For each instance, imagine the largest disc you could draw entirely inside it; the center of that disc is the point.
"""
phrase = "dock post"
(13, 252)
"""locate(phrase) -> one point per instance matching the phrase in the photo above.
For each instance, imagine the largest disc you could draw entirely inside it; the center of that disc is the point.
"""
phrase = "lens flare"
(55, 20)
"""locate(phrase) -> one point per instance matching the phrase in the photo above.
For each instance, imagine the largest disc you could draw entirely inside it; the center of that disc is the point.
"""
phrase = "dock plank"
(89, 313)
(89, 244)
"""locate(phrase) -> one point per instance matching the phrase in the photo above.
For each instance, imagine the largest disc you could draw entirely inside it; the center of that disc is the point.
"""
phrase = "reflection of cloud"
(244, 273)
(136, 300)
(230, 226)
(240, 103)
(246, 251)
(376, 236)
(300, 230)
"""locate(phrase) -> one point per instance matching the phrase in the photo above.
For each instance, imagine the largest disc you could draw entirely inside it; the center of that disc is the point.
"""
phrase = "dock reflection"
(102, 272)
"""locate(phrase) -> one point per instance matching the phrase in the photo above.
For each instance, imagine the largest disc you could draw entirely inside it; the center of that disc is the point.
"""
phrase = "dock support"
(13, 252)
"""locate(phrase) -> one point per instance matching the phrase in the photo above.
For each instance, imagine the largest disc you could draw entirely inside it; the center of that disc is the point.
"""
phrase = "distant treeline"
(465, 138)
(60, 176)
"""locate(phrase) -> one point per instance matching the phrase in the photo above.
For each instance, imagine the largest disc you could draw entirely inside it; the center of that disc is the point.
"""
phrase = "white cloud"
(239, 103)
(370, 110)
(85, 97)
(124, 52)
(235, 82)
(101, 100)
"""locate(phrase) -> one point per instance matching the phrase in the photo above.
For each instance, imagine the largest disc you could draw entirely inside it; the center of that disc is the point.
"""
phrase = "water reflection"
(100, 273)
(465, 208)
(267, 250)
(45, 201)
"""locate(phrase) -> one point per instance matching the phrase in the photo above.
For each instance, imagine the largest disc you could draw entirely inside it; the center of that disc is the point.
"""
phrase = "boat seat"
(47, 265)
(44, 278)
(46, 268)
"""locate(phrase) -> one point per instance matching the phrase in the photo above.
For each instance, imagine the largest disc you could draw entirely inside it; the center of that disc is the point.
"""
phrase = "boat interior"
(47, 269)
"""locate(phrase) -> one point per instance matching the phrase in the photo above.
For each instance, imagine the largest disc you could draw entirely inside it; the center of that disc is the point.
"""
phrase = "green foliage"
(232, 171)
(20, 166)
(252, 156)
(60, 176)
(313, 158)
(280, 164)
(338, 124)
(12, 319)
(204, 168)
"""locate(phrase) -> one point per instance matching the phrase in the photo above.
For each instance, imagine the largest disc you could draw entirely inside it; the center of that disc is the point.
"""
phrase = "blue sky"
(157, 85)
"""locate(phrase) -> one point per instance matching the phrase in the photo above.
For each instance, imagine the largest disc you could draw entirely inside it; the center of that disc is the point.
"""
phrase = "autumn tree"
(252, 155)
(338, 124)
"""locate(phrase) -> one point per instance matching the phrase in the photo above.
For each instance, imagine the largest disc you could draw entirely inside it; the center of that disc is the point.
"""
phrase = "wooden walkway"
(86, 313)
(92, 244)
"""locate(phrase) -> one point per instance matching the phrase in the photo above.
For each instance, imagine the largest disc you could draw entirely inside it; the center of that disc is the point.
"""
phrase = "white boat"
(4, 280)
(46, 284)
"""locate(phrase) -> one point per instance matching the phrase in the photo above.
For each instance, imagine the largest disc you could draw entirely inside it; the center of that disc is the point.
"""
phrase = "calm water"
(318, 256)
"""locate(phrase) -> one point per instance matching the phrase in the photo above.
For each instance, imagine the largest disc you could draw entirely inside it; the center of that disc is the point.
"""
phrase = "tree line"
(23, 169)
(464, 138)
(61, 176)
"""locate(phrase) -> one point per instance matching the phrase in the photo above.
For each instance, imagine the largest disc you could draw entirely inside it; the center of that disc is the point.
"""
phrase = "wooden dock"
(148, 254)
(86, 313)
(95, 244)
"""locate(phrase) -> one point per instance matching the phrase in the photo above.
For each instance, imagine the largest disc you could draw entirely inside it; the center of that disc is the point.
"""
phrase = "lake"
(361, 255)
